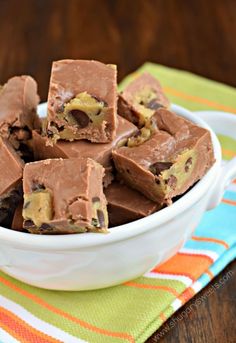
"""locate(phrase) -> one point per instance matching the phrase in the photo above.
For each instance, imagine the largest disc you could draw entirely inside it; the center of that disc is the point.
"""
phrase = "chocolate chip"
(28, 223)
(188, 164)
(158, 167)
(49, 133)
(81, 117)
(157, 181)
(153, 104)
(37, 186)
(59, 128)
(95, 199)
(94, 222)
(172, 181)
(101, 218)
(137, 134)
(46, 226)
(26, 205)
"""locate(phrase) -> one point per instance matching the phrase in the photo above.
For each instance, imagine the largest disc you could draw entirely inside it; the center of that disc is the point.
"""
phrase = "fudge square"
(82, 101)
(168, 163)
(11, 170)
(18, 110)
(64, 196)
(126, 204)
(140, 99)
(100, 152)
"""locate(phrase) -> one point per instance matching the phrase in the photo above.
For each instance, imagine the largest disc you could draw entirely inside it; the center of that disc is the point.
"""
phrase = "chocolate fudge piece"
(141, 98)
(126, 204)
(64, 196)
(168, 163)
(17, 221)
(82, 101)
(11, 171)
(82, 148)
(18, 116)
(165, 120)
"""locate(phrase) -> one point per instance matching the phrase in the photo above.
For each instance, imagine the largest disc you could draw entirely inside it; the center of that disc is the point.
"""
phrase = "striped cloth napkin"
(134, 310)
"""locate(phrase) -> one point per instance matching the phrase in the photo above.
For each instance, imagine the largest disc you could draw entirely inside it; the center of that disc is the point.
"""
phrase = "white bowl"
(91, 261)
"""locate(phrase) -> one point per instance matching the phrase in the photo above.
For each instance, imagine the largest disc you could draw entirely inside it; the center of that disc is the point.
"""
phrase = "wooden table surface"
(196, 35)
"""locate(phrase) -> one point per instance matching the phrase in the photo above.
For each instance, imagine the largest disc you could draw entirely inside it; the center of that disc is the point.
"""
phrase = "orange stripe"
(186, 295)
(199, 100)
(196, 255)
(10, 331)
(210, 274)
(145, 286)
(209, 239)
(163, 317)
(234, 181)
(229, 202)
(22, 329)
(229, 153)
(179, 263)
(66, 315)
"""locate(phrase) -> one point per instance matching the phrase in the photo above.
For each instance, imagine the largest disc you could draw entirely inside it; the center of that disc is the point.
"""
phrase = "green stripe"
(154, 325)
(176, 285)
(227, 143)
(97, 307)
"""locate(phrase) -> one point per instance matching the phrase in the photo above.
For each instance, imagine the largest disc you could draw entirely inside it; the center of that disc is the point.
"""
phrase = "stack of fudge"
(99, 159)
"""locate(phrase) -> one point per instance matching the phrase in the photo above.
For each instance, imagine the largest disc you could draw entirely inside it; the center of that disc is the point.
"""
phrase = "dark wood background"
(195, 35)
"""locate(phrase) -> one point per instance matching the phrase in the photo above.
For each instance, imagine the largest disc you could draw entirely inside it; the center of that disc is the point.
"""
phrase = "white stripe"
(232, 187)
(213, 255)
(6, 338)
(185, 279)
(197, 286)
(176, 304)
(37, 323)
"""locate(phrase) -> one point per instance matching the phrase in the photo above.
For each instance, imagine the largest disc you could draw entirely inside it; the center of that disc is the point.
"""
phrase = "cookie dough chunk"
(163, 166)
(126, 204)
(82, 148)
(18, 116)
(82, 101)
(11, 171)
(64, 196)
(140, 99)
